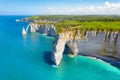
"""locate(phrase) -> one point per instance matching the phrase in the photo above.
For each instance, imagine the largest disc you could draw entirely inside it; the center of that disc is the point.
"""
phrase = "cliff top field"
(88, 22)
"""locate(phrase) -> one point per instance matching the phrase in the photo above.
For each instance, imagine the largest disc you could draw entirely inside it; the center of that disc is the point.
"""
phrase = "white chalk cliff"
(70, 38)
(46, 29)
(61, 40)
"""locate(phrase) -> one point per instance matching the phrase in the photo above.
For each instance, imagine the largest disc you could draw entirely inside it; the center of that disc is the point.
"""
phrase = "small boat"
(17, 20)
(24, 31)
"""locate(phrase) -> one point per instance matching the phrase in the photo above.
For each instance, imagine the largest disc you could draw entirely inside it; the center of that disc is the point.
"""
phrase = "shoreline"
(111, 61)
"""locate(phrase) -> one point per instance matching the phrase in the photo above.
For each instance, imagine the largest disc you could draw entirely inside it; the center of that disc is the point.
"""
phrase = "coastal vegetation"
(87, 22)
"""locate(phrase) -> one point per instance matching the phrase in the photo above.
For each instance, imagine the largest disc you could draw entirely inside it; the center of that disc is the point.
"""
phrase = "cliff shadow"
(47, 57)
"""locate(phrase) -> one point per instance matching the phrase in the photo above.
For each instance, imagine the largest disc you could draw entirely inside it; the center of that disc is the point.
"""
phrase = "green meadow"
(88, 22)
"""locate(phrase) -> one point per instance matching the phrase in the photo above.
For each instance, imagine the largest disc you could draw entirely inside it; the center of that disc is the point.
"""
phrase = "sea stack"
(24, 31)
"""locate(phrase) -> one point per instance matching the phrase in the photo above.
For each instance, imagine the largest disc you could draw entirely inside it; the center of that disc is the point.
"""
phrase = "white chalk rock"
(24, 31)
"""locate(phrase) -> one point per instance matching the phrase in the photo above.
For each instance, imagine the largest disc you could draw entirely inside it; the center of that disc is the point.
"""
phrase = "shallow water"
(22, 58)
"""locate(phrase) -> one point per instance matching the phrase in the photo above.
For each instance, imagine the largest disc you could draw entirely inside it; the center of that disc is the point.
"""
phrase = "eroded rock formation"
(71, 36)
(46, 29)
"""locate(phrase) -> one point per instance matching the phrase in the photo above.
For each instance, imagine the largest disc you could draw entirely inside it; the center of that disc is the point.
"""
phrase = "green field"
(88, 22)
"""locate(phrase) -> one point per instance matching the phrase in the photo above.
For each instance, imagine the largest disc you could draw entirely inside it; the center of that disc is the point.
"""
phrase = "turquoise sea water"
(22, 58)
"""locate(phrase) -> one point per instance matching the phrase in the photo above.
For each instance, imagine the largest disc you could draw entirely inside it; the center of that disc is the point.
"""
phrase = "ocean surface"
(23, 58)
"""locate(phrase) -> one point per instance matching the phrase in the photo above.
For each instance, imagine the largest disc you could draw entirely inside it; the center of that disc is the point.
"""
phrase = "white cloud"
(106, 8)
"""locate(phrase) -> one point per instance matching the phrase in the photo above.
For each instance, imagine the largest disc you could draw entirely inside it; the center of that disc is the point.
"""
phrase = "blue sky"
(38, 7)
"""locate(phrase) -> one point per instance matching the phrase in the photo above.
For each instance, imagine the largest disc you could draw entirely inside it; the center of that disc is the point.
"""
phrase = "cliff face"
(100, 44)
(59, 45)
(46, 29)
(91, 43)
(61, 40)
(58, 48)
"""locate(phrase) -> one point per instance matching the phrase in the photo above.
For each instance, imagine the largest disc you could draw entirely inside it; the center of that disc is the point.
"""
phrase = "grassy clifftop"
(89, 22)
